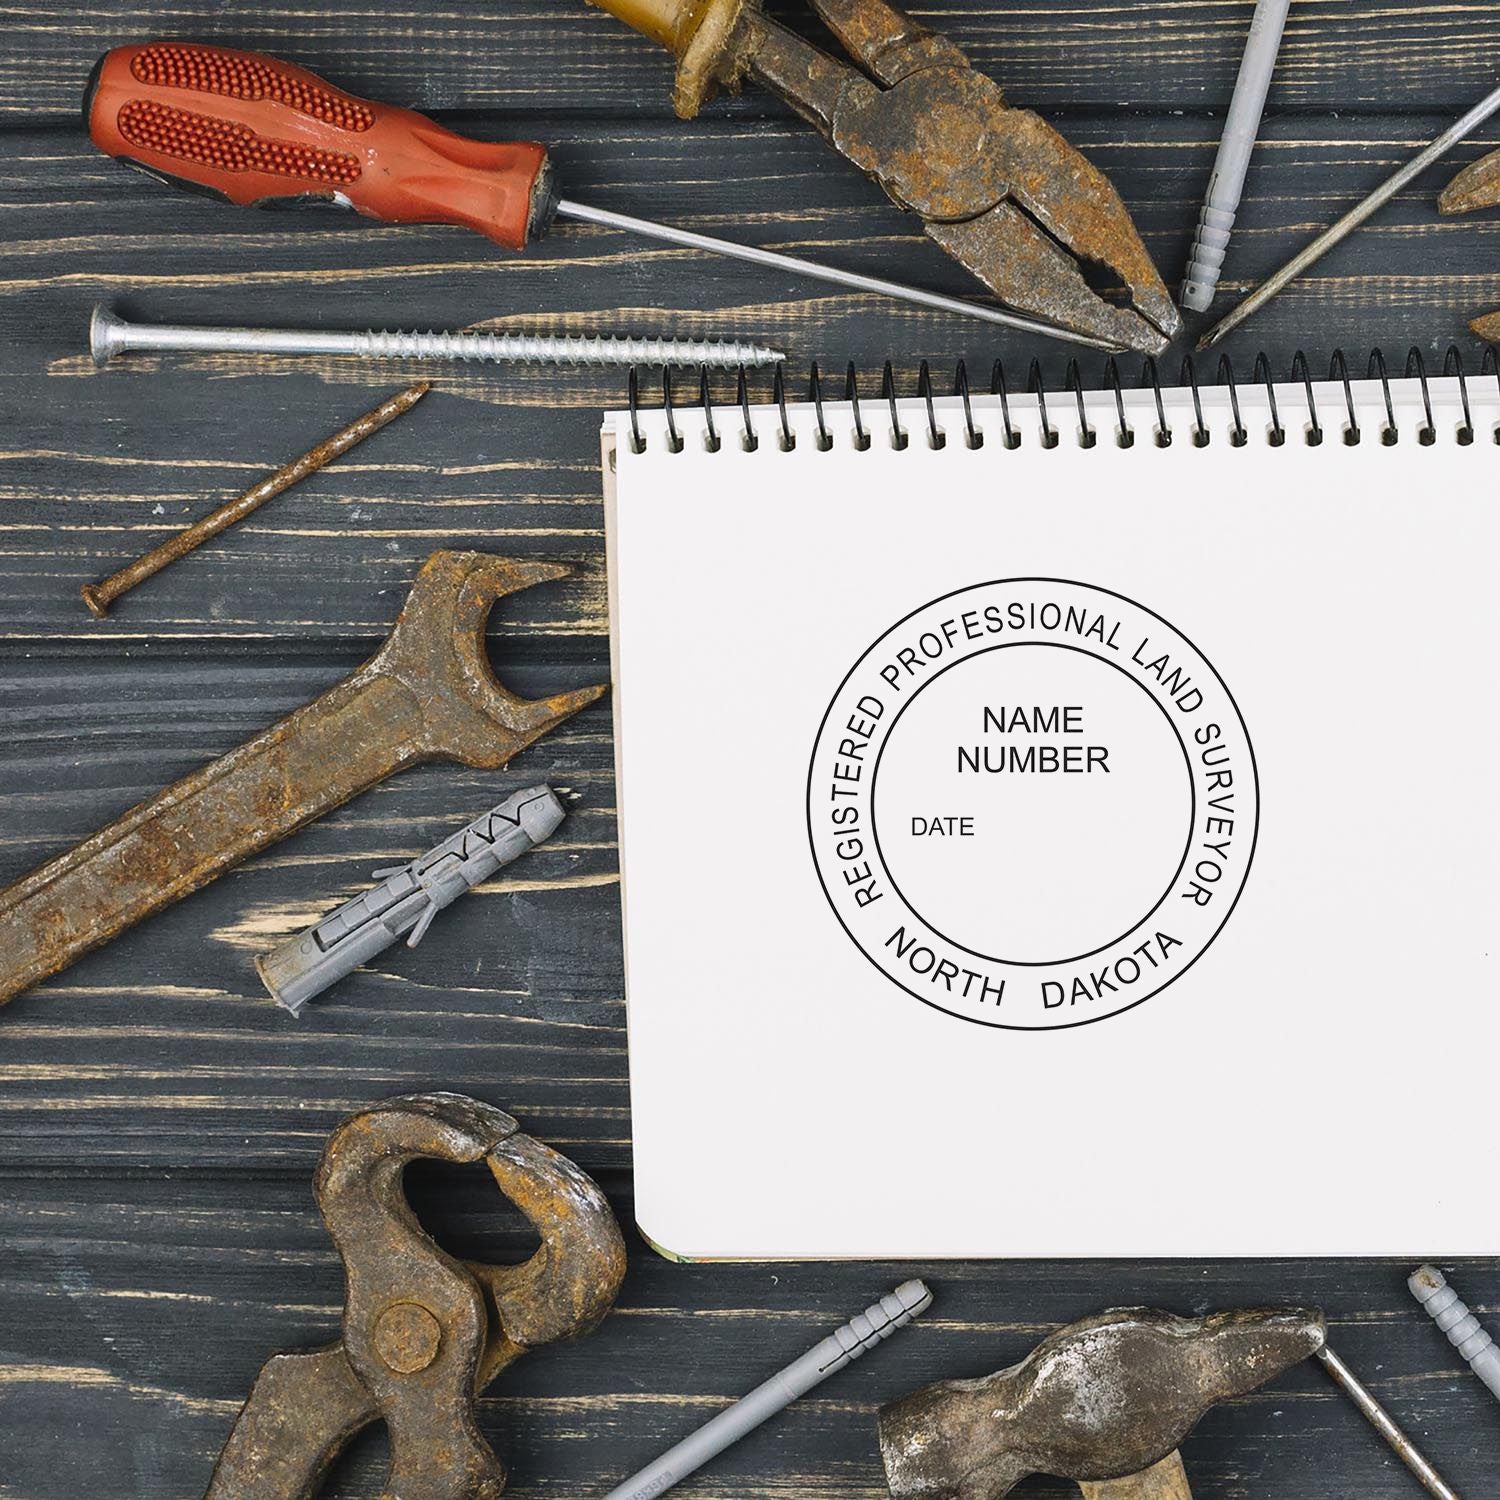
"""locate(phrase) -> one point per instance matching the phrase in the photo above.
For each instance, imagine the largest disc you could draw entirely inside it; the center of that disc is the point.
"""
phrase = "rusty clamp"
(423, 1333)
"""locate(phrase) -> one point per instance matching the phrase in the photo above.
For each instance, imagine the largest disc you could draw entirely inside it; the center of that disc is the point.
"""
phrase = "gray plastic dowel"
(1431, 1289)
(840, 1348)
(407, 899)
(1227, 183)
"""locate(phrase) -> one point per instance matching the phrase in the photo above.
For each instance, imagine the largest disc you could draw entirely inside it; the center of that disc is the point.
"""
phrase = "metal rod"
(110, 335)
(799, 267)
(1354, 218)
(1382, 1421)
(99, 596)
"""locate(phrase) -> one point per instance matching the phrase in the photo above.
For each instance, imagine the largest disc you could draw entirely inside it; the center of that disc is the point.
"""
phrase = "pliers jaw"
(1061, 210)
(996, 187)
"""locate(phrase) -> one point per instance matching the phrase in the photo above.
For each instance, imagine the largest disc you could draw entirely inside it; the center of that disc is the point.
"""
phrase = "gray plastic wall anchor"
(1206, 259)
(407, 898)
(1227, 182)
(841, 1347)
(1431, 1289)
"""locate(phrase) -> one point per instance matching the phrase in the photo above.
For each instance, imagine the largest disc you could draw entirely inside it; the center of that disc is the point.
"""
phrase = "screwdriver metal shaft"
(1385, 1424)
(193, 113)
(1351, 221)
(567, 209)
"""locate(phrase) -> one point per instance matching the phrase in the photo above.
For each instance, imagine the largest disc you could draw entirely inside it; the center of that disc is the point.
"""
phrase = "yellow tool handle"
(670, 22)
(698, 33)
(673, 23)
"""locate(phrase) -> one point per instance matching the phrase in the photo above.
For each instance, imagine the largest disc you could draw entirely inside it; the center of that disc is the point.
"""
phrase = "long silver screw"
(1385, 1424)
(110, 335)
(1430, 1288)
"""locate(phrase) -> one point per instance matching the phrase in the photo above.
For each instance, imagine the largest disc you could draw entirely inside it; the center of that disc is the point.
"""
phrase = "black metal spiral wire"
(1125, 435)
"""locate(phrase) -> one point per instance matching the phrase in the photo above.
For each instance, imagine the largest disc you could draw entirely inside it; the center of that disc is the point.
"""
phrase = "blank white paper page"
(1084, 849)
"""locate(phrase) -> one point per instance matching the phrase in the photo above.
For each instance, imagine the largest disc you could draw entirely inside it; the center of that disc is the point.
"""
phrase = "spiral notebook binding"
(1125, 434)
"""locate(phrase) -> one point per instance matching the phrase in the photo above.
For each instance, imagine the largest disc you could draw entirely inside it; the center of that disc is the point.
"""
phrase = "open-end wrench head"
(428, 693)
(438, 649)
(1106, 1397)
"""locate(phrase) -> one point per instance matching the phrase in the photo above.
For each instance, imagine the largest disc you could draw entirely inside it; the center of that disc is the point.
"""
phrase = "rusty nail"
(99, 596)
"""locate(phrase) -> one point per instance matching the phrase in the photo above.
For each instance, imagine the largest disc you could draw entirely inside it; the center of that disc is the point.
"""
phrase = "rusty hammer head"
(1104, 1398)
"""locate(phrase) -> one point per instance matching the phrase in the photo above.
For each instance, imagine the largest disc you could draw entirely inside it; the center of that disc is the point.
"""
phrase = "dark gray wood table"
(159, 1117)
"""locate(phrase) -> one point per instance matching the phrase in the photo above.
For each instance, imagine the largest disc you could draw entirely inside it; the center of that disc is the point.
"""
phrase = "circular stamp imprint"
(1032, 803)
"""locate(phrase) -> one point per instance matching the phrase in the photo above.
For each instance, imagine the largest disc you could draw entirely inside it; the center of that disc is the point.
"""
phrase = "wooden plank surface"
(560, 57)
(159, 1117)
(149, 1355)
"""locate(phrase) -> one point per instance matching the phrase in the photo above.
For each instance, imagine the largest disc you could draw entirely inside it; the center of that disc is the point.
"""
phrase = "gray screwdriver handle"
(840, 1348)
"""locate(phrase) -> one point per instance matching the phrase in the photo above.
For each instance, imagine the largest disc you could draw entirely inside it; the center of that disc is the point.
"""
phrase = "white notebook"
(1083, 848)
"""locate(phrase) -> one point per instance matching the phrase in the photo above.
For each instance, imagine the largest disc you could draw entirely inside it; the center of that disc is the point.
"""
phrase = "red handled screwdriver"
(255, 130)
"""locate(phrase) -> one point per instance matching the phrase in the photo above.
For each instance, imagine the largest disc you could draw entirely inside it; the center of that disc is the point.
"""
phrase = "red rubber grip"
(256, 130)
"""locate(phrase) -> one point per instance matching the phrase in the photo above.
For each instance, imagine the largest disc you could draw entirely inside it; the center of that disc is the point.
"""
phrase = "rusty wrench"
(429, 693)
(422, 1332)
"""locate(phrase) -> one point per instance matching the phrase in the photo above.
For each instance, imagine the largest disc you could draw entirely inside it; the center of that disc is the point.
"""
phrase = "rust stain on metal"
(1477, 186)
(1107, 1397)
(429, 693)
(1474, 188)
(407, 1337)
(99, 596)
(996, 187)
(423, 1334)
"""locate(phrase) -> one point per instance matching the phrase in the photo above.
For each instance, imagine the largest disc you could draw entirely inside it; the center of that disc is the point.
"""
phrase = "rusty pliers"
(996, 187)
(423, 1333)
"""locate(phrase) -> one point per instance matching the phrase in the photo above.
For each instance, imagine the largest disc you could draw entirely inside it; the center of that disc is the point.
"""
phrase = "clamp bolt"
(407, 1338)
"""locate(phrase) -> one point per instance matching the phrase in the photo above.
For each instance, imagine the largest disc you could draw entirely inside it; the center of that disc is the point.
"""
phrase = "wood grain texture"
(159, 1117)
(160, 1310)
(1166, 1480)
(560, 57)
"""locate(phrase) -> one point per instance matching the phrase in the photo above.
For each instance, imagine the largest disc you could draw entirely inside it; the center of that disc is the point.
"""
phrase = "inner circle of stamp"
(1033, 803)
